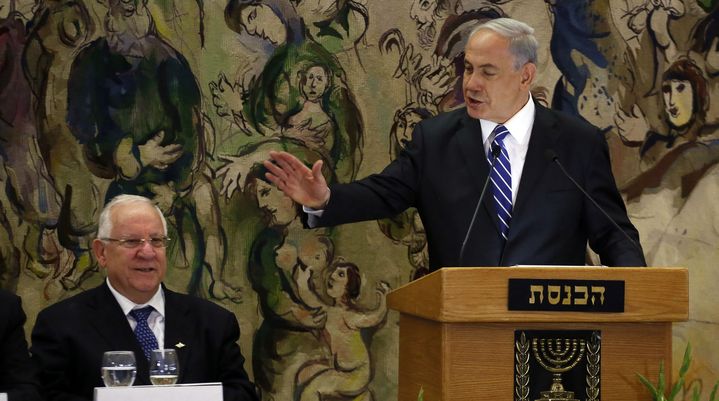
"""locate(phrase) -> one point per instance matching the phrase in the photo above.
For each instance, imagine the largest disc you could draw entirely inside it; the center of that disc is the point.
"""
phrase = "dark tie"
(142, 331)
(501, 176)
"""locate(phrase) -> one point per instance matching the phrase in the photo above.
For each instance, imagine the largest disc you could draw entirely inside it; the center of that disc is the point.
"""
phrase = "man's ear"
(529, 72)
(98, 249)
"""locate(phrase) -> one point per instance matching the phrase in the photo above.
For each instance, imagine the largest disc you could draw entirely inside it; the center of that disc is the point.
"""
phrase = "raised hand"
(306, 187)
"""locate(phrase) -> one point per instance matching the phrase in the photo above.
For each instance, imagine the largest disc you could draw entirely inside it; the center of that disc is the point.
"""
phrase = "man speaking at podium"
(502, 181)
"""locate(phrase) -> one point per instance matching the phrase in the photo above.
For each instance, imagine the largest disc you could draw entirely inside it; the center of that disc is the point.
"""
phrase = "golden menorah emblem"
(558, 355)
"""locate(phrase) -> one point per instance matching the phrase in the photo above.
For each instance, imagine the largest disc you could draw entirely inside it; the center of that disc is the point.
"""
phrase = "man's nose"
(474, 82)
(146, 249)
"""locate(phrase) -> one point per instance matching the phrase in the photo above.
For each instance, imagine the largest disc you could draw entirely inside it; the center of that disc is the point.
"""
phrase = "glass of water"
(164, 367)
(118, 368)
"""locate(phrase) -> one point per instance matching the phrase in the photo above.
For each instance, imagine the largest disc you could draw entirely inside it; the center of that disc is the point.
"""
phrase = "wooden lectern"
(457, 334)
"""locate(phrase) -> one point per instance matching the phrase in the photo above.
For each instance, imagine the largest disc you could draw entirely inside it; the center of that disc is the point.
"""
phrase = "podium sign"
(178, 392)
(459, 340)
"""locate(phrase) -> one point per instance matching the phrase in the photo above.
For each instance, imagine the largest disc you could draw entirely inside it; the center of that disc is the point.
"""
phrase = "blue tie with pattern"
(144, 334)
(501, 176)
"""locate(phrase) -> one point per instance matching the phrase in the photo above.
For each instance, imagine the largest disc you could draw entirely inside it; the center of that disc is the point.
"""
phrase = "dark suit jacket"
(441, 173)
(69, 338)
(17, 375)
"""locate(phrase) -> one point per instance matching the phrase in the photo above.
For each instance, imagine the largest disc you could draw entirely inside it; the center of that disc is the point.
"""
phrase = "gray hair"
(105, 225)
(522, 43)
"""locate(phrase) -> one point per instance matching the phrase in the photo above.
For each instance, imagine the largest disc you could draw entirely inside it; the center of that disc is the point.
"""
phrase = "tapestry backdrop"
(179, 100)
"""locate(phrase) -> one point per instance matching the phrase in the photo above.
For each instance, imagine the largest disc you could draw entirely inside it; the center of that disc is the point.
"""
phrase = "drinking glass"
(164, 367)
(118, 368)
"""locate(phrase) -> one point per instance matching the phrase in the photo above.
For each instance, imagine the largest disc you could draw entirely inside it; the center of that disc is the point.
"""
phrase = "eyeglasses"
(131, 243)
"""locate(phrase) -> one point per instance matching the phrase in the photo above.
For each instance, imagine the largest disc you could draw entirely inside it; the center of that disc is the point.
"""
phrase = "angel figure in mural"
(308, 101)
(288, 335)
(653, 46)
(262, 27)
(277, 98)
(406, 228)
(337, 25)
(311, 124)
(675, 162)
(434, 82)
(427, 14)
(58, 29)
(348, 373)
(29, 203)
(265, 25)
(135, 107)
(655, 15)
(272, 23)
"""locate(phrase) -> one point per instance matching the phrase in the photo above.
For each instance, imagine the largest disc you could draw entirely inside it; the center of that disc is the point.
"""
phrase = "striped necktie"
(501, 176)
(144, 334)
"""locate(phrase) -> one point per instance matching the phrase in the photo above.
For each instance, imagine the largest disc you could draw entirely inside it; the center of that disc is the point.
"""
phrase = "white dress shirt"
(156, 320)
(516, 142)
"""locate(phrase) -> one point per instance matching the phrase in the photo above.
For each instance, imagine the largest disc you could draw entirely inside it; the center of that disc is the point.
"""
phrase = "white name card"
(178, 392)
(3, 396)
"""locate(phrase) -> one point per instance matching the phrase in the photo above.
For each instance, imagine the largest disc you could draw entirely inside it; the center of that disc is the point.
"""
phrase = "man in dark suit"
(531, 214)
(70, 337)
(17, 376)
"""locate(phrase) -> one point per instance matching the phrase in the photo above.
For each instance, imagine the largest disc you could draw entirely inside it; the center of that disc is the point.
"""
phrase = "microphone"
(496, 150)
(551, 156)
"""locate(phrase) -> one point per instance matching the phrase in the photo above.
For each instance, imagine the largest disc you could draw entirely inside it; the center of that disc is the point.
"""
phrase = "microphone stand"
(496, 150)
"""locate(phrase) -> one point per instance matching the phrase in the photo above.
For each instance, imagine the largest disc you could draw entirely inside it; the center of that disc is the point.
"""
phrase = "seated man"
(70, 336)
(17, 377)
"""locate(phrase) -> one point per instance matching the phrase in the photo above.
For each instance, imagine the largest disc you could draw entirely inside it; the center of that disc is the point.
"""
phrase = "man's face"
(137, 272)
(678, 102)
(493, 90)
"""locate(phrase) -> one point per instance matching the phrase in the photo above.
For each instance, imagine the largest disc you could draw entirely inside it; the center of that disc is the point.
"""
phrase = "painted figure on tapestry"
(684, 99)
(433, 77)
(406, 228)
(673, 163)
(134, 106)
(58, 29)
(28, 201)
(349, 371)
(287, 337)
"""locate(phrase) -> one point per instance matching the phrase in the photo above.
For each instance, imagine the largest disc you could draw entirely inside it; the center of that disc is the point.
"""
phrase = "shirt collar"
(157, 301)
(519, 125)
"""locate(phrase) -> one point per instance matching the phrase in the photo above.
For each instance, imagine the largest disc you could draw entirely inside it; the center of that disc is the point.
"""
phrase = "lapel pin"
(179, 345)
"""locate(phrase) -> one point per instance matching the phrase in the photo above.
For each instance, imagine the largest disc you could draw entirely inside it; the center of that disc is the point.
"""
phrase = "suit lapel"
(472, 149)
(177, 326)
(544, 136)
(112, 325)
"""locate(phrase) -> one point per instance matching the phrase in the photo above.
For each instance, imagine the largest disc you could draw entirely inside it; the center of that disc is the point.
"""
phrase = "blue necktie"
(144, 334)
(501, 176)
